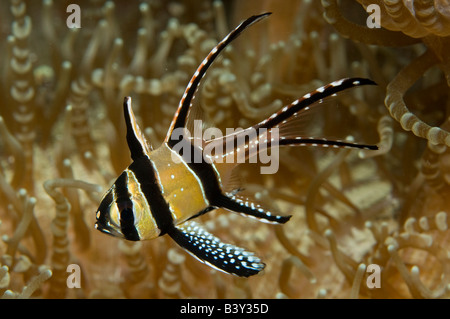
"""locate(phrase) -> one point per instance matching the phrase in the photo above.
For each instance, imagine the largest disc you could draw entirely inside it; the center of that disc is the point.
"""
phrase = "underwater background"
(62, 144)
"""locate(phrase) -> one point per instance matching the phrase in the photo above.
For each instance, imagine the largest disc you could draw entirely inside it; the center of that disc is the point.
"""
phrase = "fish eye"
(127, 220)
(125, 205)
(127, 216)
(126, 212)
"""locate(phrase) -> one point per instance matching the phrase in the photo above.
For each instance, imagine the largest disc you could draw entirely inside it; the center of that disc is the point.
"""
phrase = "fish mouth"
(107, 229)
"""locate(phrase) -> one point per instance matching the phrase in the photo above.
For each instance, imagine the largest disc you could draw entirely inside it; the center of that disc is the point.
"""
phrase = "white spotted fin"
(248, 208)
(210, 250)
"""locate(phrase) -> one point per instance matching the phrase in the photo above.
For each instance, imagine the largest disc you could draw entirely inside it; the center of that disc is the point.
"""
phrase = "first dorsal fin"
(137, 143)
(180, 117)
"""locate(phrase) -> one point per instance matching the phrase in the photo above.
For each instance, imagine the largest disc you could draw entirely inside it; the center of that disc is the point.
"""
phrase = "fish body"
(163, 189)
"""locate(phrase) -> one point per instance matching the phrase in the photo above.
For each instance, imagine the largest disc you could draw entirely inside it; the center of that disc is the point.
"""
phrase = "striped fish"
(165, 188)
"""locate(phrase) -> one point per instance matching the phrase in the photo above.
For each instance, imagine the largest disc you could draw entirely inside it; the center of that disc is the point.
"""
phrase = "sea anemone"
(62, 143)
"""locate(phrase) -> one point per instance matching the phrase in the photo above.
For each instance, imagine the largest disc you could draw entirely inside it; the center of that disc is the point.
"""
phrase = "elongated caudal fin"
(210, 250)
(180, 117)
(306, 101)
(262, 136)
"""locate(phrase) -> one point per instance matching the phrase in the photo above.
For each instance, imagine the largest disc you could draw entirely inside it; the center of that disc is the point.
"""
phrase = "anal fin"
(210, 250)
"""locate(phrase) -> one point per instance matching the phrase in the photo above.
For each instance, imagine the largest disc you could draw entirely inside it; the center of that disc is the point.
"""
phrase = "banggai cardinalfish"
(165, 188)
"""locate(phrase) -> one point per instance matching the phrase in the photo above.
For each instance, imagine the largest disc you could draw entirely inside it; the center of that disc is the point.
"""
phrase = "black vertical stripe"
(121, 189)
(127, 226)
(146, 176)
(125, 208)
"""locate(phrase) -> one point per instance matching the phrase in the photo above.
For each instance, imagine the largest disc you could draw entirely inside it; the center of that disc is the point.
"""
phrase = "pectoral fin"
(247, 208)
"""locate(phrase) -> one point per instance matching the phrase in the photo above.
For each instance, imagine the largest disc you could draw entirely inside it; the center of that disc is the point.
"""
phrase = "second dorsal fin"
(180, 117)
